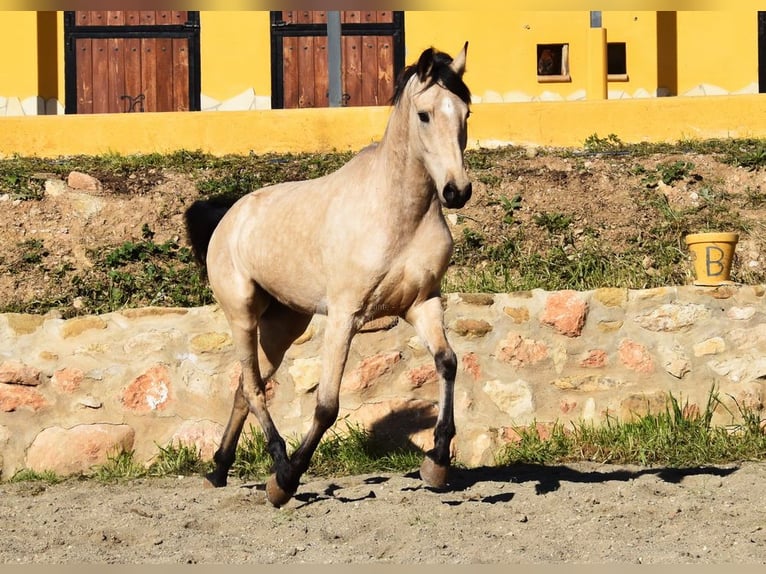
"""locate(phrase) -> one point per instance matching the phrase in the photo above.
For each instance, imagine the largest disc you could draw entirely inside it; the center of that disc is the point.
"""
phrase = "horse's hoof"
(275, 494)
(434, 475)
(212, 480)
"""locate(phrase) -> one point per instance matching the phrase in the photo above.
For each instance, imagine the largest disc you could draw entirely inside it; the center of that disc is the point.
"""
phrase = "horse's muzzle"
(454, 197)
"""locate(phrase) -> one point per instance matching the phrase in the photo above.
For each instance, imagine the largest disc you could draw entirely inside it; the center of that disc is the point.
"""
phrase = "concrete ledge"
(558, 124)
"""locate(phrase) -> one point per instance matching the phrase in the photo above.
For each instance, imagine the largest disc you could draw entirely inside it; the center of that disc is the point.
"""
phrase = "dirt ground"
(580, 513)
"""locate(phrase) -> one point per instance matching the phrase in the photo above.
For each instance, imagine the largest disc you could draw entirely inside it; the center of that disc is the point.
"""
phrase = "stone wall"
(73, 391)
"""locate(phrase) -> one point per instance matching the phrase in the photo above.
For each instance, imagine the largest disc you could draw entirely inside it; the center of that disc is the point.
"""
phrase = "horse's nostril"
(454, 197)
(449, 193)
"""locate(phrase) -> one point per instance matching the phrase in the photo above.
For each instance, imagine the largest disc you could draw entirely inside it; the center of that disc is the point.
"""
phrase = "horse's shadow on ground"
(547, 479)
(395, 431)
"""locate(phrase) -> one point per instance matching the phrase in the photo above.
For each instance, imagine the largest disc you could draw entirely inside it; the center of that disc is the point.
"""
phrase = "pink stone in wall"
(470, 362)
(235, 372)
(513, 434)
(67, 380)
(203, 435)
(18, 373)
(595, 359)
(567, 406)
(75, 450)
(636, 357)
(15, 397)
(565, 312)
(520, 352)
(423, 375)
(369, 370)
(150, 391)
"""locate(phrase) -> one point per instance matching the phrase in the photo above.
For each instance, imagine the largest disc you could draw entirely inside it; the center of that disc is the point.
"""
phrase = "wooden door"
(372, 54)
(131, 61)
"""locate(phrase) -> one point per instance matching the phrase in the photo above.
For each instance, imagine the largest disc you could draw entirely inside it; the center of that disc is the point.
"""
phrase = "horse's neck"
(410, 191)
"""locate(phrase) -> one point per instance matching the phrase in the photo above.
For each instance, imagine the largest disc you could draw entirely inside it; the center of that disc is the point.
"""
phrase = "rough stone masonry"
(73, 392)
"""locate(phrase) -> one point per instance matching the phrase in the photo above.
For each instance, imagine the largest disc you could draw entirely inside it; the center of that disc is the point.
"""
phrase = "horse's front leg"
(428, 320)
(339, 331)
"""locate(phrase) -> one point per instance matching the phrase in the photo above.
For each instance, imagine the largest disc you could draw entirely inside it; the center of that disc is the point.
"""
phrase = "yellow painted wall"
(235, 53)
(639, 32)
(18, 46)
(714, 48)
(505, 46)
(718, 48)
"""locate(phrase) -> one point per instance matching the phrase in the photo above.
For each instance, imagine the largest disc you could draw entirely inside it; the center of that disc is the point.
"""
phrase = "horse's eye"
(423, 116)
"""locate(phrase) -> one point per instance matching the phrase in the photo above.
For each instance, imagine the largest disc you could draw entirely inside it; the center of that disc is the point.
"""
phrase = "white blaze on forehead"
(448, 108)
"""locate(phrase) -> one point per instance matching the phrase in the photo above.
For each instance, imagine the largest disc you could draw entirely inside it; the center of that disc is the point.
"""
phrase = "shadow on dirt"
(549, 478)
(546, 478)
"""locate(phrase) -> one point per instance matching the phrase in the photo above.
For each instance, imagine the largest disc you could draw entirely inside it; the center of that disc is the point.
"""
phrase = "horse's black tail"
(202, 217)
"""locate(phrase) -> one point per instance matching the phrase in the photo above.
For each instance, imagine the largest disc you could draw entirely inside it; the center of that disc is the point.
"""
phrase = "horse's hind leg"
(427, 318)
(277, 328)
(339, 331)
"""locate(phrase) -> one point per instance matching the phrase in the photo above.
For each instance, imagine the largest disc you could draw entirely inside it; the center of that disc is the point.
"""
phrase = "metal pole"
(597, 87)
(333, 59)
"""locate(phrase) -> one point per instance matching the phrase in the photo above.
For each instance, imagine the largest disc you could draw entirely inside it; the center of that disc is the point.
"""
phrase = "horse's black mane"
(433, 67)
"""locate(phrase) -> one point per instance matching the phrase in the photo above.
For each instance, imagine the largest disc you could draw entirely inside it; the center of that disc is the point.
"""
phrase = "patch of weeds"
(178, 460)
(29, 475)
(353, 451)
(509, 206)
(552, 222)
(531, 448)
(672, 172)
(667, 173)
(19, 181)
(746, 153)
(33, 251)
(253, 460)
(141, 273)
(469, 247)
(120, 466)
(681, 436)
(489, 179)
(231, 177)
(754, 197)
(596, 144)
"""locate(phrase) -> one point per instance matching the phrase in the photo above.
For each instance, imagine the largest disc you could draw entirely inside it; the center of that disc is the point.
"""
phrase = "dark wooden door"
(131, 61)
(372, 54)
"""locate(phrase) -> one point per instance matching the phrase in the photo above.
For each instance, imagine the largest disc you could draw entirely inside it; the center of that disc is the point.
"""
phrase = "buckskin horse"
(366, 241)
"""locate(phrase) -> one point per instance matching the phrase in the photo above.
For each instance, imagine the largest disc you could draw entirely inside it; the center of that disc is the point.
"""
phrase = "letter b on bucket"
(711, 256)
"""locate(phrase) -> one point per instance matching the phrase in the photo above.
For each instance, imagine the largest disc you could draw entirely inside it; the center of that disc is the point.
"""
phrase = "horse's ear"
(458, 64)
(425, 63)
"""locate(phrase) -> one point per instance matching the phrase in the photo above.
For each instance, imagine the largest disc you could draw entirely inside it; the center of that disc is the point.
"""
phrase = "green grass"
(680, 436)
(28, 475)
(341, 453)
(677, 437)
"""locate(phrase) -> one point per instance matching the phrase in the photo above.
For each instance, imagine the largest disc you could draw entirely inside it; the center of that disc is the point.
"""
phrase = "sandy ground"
(580, 513)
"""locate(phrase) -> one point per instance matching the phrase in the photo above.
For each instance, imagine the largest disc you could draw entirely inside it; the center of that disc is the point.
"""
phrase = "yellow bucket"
(711, 256)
